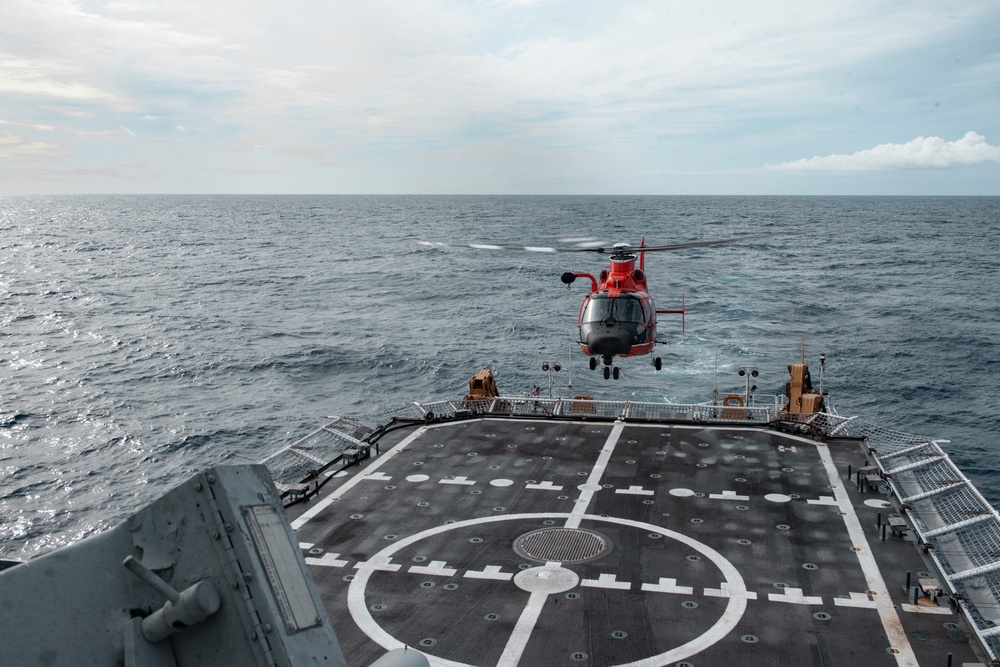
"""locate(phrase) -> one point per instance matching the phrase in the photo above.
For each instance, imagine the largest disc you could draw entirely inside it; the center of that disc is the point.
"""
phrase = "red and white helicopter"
(618, 317)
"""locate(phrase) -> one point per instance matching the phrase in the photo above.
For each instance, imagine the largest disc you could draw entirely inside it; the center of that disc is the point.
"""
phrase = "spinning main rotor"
(616, 251)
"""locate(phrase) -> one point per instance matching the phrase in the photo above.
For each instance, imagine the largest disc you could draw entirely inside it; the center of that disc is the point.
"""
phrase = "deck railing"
(528, 406)
(312, 452)
(956, 526)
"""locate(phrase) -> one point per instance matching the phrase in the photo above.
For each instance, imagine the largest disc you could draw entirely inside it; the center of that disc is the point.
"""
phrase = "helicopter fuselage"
(618, 317)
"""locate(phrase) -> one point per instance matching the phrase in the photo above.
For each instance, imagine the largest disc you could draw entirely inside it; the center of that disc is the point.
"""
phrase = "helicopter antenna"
(715, 382)
(569, 367)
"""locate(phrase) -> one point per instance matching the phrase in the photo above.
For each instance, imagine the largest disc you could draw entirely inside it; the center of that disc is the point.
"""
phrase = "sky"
(851, 97)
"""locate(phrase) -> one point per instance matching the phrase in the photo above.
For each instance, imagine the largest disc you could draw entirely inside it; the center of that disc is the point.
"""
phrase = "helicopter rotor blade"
(601, 249)
(489, 246)
(691, 244)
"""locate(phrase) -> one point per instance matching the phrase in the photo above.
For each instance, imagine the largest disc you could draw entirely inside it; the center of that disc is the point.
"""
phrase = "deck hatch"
(562, 545)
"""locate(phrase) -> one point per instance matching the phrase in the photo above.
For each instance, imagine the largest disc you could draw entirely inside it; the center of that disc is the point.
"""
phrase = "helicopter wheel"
(657, 363)
(607, 372)
(593, 363)
(616, 372)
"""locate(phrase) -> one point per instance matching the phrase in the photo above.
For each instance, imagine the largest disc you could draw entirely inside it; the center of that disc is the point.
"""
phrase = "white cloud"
(536, 87)
(16, 148)
(58, 129)
(45, 78)
(921, 153)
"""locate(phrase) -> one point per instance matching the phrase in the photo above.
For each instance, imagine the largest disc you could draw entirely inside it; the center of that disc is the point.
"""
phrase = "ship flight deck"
(520, 541)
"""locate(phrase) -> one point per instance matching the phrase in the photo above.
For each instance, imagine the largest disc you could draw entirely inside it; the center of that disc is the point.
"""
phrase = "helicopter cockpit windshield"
(623, 309)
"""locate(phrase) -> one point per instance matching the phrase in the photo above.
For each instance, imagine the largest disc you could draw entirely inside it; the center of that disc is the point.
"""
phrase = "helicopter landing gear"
(657, 363)
(609, 369)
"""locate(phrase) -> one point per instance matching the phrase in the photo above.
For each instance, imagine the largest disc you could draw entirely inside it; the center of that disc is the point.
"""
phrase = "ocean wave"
(152, 336)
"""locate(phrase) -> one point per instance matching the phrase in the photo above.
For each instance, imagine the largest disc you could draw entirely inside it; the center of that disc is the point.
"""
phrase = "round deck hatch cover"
(562, 545)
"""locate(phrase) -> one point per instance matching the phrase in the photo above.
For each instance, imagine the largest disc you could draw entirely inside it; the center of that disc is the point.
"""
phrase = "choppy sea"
(145, 337)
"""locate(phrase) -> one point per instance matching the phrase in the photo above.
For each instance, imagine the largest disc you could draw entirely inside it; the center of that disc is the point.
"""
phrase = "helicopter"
(617, 317)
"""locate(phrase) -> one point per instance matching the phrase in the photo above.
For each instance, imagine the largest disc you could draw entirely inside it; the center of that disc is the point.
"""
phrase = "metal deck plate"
(514, 542)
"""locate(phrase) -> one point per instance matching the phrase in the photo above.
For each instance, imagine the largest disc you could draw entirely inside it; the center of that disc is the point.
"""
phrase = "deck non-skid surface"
(513, 542)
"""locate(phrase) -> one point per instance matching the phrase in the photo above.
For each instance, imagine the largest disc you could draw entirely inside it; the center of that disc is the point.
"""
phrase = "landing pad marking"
(609, 581)
(437, 568)
(327, 560)
(594, 480)
(733, 584)
(794, 596)
(541, 582)
(494, 572)
(635, 491)
(893, 627)
(858, 600)
(458, 480)
(728, 495)
(668, 586)
(544, 486)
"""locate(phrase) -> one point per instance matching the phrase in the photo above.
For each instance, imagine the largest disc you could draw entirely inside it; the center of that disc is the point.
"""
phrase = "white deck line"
(893, 627)
(522, 631)
(525, 625)
(351, 483)
(587, 494)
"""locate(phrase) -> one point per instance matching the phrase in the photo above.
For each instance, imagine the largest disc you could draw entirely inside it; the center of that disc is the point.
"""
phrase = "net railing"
(955, 524)
(312, 452)
(529, 406)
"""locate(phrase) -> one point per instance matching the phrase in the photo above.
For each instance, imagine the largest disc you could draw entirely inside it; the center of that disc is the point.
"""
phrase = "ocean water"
(143, 338)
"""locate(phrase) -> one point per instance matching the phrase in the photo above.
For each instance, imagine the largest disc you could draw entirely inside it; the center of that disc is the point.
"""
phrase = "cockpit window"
(626, 308)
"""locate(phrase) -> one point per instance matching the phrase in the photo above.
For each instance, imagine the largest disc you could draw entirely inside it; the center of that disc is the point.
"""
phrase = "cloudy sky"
(500, 96)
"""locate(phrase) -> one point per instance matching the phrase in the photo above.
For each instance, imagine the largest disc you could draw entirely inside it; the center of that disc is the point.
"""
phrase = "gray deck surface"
(693, 545)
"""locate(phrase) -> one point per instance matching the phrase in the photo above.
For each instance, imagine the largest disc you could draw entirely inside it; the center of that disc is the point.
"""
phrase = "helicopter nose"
(609, 342)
